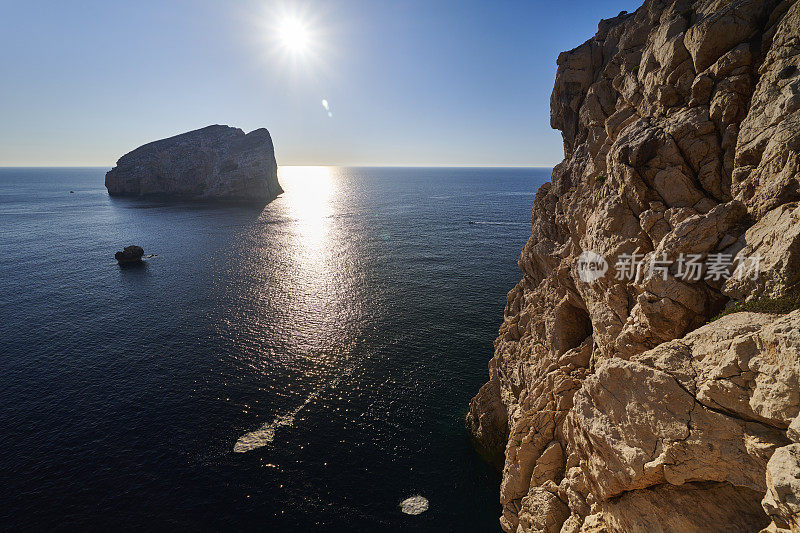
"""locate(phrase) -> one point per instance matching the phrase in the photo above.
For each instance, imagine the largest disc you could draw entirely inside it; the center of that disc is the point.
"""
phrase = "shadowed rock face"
(129, 255)
(212, 163)
(611, 404)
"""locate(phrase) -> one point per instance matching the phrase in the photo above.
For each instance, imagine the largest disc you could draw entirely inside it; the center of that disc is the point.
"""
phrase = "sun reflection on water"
(302, 308)
(308, 193)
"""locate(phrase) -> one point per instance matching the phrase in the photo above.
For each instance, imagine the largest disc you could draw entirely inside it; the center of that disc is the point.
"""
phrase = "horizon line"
(384, 165)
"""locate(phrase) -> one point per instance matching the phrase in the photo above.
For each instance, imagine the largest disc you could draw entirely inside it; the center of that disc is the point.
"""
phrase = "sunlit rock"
(617, 408)
(414, 505)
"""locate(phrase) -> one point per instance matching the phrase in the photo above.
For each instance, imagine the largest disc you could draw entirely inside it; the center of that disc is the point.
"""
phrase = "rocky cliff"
(613, 404)
(212, 163)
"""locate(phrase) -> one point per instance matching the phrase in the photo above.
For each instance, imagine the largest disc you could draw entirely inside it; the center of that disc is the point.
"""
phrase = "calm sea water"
(343, 329)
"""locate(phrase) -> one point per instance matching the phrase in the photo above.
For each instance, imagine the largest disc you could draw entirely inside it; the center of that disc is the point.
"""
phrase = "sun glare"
(293, 35)
(308, 191)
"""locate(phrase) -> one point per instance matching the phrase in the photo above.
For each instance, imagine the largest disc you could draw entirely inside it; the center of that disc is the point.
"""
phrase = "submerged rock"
(129, 255)
(414, 505)
(212, 163)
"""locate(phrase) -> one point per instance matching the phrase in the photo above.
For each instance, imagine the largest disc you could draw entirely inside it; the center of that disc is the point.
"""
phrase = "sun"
(293, 35)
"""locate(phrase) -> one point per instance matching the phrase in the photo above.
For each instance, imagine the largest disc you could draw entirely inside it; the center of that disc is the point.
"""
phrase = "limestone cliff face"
(212, 163)
(610, 403)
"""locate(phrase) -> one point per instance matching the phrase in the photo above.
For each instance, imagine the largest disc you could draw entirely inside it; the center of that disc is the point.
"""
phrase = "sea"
(305, 366)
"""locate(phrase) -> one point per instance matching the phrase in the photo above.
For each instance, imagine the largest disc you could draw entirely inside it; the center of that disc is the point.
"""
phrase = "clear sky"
(408, 82)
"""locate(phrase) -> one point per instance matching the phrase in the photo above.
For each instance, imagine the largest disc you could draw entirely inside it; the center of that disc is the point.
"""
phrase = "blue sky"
(413, 82)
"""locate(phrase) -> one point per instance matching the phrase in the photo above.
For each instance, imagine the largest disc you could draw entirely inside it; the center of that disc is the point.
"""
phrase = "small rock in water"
(129, 255)
(414, 505)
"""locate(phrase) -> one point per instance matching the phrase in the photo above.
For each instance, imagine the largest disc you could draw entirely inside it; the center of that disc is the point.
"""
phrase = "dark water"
(350, 320)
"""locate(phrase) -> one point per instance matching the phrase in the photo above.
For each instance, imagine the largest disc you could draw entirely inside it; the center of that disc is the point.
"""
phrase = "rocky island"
(130, 255)
(619, 403)
(213, 163)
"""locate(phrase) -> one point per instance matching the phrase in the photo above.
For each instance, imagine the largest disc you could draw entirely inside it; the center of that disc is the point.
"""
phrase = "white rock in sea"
(414, 505)
(266, 433)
